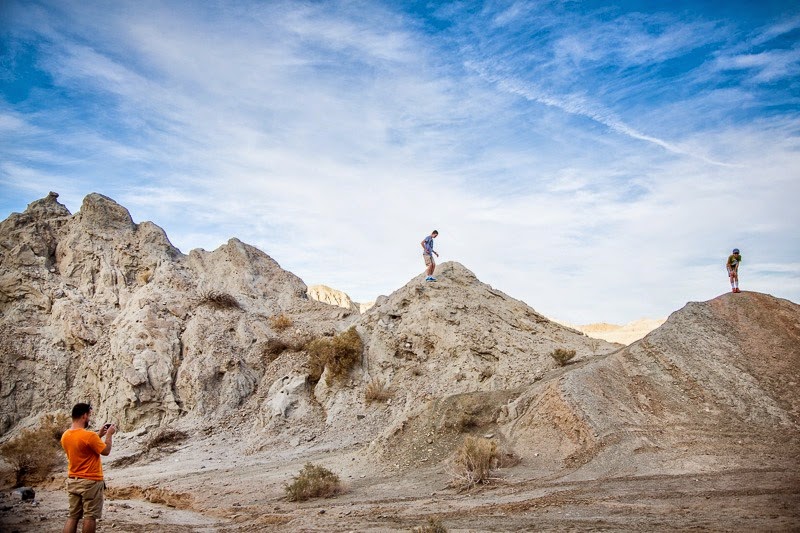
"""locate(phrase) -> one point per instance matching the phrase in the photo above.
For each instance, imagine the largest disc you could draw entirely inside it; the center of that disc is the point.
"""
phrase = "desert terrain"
(206, 363)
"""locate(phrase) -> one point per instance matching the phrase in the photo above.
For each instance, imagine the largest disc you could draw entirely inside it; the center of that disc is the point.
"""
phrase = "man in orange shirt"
(85, 482)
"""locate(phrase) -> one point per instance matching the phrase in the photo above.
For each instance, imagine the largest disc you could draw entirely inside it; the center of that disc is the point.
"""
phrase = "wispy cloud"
(562, 150)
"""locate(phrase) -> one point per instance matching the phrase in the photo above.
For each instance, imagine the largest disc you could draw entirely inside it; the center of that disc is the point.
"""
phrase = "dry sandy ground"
(188, 492)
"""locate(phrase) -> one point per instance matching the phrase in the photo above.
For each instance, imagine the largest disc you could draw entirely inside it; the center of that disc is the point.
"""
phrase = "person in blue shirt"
(428, 253)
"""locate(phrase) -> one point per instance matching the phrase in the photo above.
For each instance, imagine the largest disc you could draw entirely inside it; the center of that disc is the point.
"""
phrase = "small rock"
(322, 511)
(24, 493)
(360, 417)
(488, 436)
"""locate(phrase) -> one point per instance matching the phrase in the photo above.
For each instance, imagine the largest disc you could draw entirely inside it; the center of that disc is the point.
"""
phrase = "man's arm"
(109, 440)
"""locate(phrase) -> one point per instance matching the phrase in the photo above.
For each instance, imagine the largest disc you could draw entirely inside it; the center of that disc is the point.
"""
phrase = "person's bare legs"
(431, 268)
(71, 526)
(89, 525)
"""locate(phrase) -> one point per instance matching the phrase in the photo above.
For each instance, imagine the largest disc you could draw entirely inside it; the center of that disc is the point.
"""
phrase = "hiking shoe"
(430, 278)
(737, 290)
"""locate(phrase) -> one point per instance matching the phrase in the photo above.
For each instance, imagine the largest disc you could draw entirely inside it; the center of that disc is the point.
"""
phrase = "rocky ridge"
(96, 307)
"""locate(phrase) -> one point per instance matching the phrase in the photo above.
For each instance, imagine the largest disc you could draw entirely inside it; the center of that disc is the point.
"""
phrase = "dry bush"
(274, 347)
(55, 424)
(280, 322)
(143, 277)
(165, 436)
(562, 356)
(338, 354)
(313, 481)
(434, 525)
(475, 461)
(466, 422)
(31, 456)
(377, 391)
(218, 300)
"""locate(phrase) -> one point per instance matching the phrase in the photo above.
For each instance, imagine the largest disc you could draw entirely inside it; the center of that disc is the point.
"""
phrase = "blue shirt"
(428, 245)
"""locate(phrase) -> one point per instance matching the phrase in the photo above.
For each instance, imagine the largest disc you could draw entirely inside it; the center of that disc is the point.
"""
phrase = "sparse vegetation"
(55, 424)
(274, 347)
(475, 461)
(280, 322)
(218, 300)
(466, 422)
(33, 454)
(377, 391)
(313, 481)
(434, 525)
(562, 356)
(338, 354)
(143, 277)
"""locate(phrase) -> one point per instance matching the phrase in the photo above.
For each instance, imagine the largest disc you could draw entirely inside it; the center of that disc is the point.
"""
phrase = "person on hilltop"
(733, 269)
(85, 483)
(427, 254)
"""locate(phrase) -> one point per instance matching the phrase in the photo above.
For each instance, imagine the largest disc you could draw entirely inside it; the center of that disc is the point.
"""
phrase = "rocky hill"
(221, 346)
(95, 307)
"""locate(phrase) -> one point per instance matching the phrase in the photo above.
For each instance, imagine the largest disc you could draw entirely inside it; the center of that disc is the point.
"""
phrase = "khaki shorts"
(428, 259)
(85, 497)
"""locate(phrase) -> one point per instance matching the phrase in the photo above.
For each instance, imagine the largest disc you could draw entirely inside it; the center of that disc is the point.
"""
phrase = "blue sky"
(598, 161)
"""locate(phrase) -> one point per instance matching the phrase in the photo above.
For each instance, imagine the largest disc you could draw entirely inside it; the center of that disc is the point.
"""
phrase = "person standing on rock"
(85, 483)
(428, 253)
(733, 269)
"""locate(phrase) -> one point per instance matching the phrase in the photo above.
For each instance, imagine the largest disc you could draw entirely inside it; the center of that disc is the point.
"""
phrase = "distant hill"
(625, 334)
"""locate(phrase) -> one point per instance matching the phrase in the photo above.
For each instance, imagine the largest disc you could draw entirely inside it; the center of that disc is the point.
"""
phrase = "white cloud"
(336, 138)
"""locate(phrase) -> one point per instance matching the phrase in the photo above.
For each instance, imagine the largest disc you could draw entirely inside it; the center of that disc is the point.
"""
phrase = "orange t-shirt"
(83, 449)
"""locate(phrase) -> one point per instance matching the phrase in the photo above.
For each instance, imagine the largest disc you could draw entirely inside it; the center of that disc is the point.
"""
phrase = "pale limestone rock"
(325, 294)
(286, 393)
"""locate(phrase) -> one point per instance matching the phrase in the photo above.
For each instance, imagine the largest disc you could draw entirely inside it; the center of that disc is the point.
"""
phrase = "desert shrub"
(55, 424)
(377, 391)
(475, 461)
(32, 457)
(165, 436)
(274, 347)
(218, 300)
(434, 525)
(313, 481)
(338, 354)
(562, 356)
(280, 322)
(466, 422)
(143, 277)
